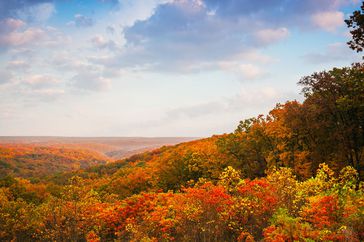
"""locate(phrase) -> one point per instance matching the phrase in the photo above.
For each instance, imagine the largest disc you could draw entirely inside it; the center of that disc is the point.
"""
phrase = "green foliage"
(334, 106)
(356, 23)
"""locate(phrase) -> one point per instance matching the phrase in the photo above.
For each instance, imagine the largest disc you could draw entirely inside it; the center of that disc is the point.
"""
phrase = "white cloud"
(14, 33)
(250, 72)
(243, 71)
(169, 55)
(19, 38)
(205, 118)
(328, 21)
(90, 81)
(10, 24)
(49, 92)
(254, 56)
(333, 53)
(81, 21)
(40, 12)
(40, 81)
(270, 36)
(131, 11)
(55, 38)
(18, 65)
(101, 43)
(43, 94)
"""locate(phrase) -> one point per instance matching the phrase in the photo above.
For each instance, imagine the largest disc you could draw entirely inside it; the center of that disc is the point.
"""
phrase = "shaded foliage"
(356, 24)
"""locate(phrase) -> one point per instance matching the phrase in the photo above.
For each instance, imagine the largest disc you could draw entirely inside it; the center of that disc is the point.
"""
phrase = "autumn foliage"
(33, 160)
(292, 175)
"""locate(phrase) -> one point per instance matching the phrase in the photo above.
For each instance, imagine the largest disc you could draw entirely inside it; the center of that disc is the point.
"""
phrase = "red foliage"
(322, 211)
(262, 192)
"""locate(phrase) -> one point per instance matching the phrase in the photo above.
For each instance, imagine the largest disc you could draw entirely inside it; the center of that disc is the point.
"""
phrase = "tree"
(334, 102)
(247, 147)
(356, 23)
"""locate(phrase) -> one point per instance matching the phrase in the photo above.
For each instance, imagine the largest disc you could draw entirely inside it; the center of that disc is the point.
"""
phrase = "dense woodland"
(295, 174)
(34, 161)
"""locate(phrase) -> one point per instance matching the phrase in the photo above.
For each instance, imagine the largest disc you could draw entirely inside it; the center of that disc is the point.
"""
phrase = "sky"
(160, 67)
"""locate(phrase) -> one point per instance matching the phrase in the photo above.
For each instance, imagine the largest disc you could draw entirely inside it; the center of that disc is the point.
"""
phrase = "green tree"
(335, 107)
(356, 23)
(246, 148)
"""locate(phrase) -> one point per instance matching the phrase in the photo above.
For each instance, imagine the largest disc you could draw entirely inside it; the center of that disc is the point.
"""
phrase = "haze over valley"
(112, 148)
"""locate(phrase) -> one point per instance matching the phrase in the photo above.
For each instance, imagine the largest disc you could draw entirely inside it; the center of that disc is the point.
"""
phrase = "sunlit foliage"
(292, 175)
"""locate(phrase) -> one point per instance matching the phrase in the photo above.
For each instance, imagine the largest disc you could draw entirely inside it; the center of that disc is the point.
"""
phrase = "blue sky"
(159, 67)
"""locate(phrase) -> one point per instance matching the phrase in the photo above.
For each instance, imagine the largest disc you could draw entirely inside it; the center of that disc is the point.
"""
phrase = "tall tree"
(335, 102)
(356, 23)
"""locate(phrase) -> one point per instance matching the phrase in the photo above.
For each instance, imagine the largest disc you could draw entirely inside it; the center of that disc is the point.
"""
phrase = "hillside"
(294, 174)
(113, 147)
(31, 161)
(36, 157)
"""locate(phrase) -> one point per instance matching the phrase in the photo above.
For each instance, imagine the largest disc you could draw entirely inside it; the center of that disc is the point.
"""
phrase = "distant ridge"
(112, 147)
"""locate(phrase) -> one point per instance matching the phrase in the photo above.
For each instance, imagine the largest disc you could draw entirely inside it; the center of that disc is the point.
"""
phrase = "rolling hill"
(39, 156)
